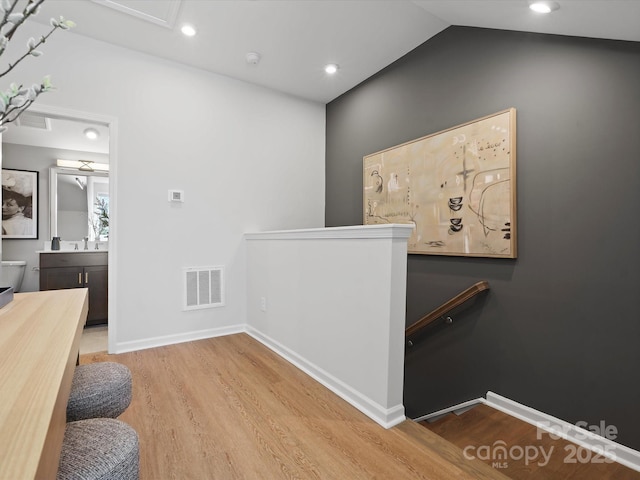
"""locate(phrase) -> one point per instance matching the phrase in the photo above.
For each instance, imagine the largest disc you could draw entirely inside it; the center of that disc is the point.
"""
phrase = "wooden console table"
(39, 343)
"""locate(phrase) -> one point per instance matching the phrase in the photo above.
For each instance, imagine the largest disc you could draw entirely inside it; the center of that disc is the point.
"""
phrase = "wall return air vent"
(203, 287)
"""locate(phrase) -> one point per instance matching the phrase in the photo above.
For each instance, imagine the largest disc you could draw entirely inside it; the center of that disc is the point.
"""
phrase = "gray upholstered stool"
(98, 390)
(99, 449)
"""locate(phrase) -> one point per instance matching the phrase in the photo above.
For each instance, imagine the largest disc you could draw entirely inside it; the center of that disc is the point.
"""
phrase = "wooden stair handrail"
(439, 312)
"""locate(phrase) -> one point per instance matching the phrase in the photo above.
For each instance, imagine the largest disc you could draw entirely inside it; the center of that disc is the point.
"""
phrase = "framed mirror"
(79, 204)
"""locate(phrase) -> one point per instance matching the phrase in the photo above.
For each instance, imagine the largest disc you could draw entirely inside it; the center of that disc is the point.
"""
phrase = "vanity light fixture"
(188, 30)
(544, 6)
(83, 165)
(91, 133)
(87, 166)
(331, 68)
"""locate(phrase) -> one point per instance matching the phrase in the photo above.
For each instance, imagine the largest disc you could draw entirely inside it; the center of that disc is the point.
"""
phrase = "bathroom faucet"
(86, 243)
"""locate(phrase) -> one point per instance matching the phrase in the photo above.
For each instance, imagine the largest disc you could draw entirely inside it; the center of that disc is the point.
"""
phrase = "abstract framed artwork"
(457, 186)
(19, 204)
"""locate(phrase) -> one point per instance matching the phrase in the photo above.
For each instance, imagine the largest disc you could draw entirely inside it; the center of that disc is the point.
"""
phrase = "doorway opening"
(37, 142)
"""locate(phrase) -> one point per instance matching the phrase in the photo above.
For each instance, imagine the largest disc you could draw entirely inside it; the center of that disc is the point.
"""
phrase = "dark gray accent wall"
(559, 330)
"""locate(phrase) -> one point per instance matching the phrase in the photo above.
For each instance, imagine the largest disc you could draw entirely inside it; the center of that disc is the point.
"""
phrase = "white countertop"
(105, 250)
(68, 246)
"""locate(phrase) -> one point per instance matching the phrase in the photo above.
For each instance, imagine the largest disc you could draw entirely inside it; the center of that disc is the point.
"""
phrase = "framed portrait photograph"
(19, 204)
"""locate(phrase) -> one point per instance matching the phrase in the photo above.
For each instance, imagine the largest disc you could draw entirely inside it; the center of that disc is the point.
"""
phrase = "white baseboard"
(180, 338)
(386, 417)
(624, 455)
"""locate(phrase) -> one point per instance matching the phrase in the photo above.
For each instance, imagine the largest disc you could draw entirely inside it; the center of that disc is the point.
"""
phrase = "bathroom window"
(100, 218)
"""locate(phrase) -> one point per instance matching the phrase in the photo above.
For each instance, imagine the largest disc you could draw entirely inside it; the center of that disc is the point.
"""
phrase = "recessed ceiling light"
(331, 68)
(91, 133)
(188, 30)
(544, 7)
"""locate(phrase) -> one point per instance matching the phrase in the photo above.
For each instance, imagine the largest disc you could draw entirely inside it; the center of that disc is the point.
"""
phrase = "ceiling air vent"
(33, 120)
(203, 287)
(162, 13)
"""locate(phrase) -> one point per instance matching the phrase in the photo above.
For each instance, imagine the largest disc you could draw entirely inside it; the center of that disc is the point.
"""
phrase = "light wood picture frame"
(457, 186)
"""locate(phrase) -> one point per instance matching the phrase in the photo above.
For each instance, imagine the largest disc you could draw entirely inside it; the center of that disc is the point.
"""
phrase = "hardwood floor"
(229, 408)
(485, 426)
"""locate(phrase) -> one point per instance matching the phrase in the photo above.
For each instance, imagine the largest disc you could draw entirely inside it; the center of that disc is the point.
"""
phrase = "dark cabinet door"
(96, 279)
(60, 278)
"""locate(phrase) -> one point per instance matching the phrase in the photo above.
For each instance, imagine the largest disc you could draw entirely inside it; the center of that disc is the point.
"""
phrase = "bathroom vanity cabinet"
(79, 270)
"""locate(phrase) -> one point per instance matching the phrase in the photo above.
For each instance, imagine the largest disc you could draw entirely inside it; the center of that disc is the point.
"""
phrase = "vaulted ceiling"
(296, 38)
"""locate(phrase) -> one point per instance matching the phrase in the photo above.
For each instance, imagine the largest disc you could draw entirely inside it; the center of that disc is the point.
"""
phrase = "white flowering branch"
(17, 99)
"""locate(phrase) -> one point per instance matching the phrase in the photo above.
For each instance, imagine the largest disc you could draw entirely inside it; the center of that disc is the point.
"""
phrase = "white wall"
(335, 307)
(247, 158)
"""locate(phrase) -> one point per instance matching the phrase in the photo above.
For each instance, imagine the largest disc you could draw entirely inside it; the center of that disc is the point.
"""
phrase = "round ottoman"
(99, 449)
(98, 390)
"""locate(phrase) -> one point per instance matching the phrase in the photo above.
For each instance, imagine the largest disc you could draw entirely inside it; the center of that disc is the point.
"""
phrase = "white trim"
(174, 339)
(113, 234)
(455, 408)
(624, 455)
(386, 417)
(394, 231)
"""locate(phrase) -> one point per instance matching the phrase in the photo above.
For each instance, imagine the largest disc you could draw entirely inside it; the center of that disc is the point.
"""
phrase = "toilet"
(12, 274)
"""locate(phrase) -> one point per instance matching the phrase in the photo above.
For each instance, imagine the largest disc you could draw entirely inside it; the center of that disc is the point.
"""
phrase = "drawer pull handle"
(86, 277)
(80, 278)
